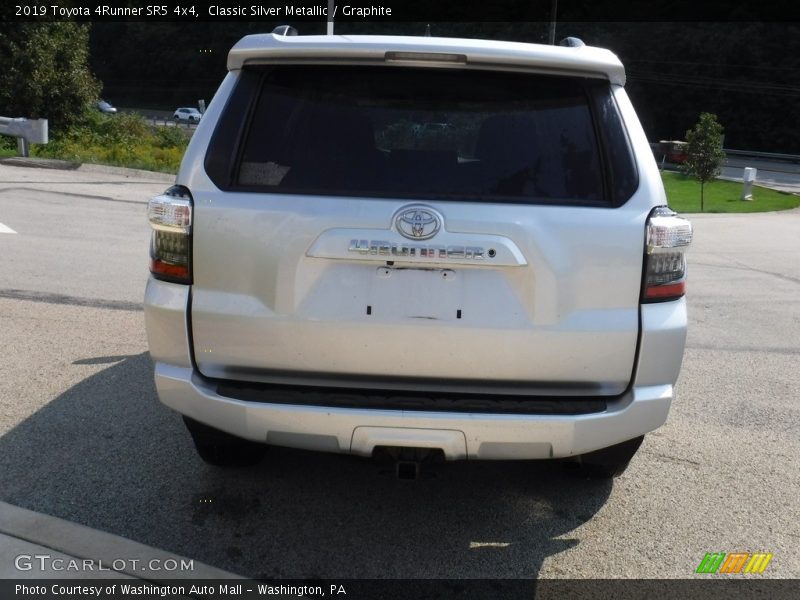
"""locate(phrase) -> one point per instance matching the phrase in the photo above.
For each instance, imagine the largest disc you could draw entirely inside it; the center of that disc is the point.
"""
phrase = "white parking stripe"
(6, 229)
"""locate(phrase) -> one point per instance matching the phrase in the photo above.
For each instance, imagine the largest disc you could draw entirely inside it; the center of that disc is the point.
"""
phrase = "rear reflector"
(668, 236)
(168, 272)
(170, 216)
(668, 291)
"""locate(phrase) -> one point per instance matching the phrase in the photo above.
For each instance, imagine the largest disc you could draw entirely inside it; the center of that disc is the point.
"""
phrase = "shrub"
(124, 139)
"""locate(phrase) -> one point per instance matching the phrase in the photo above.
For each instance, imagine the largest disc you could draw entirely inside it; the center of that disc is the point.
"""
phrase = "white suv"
(190, 115)
(330, 272)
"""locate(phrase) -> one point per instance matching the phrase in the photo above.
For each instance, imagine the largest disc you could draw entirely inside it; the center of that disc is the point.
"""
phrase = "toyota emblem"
(417, 223)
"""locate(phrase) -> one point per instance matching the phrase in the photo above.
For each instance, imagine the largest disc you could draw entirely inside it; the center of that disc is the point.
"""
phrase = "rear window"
(420, 133)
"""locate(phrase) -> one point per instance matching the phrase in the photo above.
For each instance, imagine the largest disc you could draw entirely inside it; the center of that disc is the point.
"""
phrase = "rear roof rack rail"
(571, 42)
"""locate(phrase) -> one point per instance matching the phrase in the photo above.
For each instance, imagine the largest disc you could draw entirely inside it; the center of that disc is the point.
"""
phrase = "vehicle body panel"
(569, 316)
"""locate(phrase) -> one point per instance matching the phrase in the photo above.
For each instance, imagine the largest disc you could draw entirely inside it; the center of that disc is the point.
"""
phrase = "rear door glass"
(421, 133)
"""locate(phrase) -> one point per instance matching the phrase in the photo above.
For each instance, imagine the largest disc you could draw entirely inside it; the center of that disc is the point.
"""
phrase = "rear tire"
(222, 449)
(610, 462)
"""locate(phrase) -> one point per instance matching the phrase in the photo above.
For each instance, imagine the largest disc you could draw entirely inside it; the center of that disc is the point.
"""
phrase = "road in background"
(162, 118)
(80, 233)
(83, 436)
(780, 175)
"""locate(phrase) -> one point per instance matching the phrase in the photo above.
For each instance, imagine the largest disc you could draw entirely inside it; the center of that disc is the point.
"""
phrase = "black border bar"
(703, 587)
(359, 11)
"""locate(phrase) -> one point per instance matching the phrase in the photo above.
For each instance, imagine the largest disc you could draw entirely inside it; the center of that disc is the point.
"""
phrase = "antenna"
(553, 13)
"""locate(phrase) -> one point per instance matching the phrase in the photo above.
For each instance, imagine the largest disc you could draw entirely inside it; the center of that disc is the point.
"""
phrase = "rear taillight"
(170, 216)
(668, 237)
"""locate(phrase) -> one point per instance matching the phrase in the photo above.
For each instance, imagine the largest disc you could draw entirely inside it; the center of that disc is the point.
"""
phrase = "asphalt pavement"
(83, 437)
(38, 545)
(779, 175)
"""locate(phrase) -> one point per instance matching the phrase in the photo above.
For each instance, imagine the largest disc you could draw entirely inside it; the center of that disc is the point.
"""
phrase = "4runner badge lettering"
(385, 248)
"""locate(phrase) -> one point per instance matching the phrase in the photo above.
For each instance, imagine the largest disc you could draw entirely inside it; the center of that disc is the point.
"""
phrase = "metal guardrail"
(27, 131)
(794, 158)
(167, 122)
(770, 155)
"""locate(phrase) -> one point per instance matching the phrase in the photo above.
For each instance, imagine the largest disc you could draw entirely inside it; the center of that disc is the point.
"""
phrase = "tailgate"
(280, 292)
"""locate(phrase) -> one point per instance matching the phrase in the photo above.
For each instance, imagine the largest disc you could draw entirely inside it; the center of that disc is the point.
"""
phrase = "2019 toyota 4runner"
(418, 245)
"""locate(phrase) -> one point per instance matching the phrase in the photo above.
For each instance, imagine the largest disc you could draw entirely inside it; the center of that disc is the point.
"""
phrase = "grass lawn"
(8, 146)
(683, 196)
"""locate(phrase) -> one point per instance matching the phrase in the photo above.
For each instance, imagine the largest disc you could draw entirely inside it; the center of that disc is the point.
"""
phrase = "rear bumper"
(474, 435)
(459, 435)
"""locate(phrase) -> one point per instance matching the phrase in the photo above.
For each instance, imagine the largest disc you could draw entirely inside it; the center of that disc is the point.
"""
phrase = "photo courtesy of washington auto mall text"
(177, 590)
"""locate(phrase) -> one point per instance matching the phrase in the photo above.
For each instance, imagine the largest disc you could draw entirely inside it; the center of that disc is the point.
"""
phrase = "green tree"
(45, 72)
(704, 155)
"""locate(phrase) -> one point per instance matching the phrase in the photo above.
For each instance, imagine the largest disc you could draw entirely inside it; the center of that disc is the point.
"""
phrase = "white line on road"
(6, 229)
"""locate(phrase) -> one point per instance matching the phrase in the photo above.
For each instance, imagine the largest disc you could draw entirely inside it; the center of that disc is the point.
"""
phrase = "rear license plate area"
(408, 293)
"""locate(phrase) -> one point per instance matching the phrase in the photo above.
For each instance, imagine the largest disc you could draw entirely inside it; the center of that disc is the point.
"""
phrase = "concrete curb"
(65, 165)
(774, 186)
(138, 173)
(83, 542)
(40, 163)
